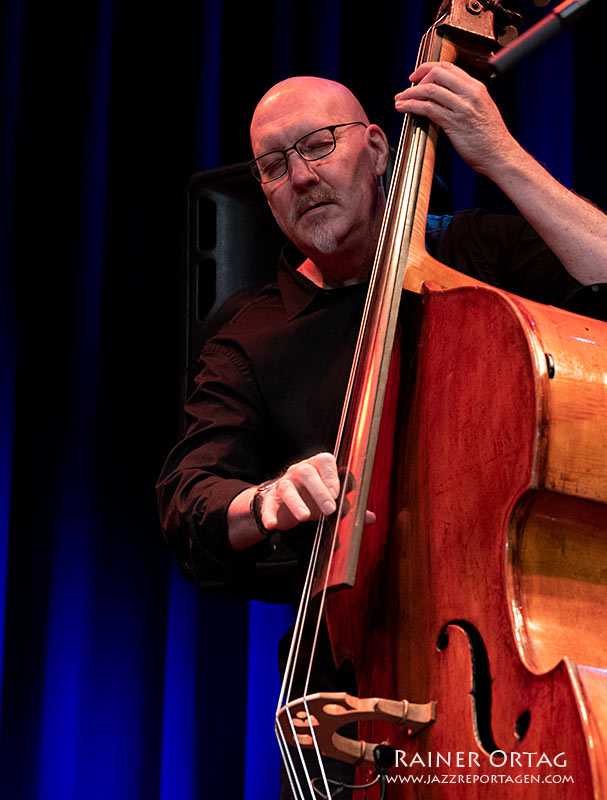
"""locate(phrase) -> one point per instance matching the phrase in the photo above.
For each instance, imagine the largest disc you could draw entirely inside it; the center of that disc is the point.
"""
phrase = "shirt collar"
(297, 290)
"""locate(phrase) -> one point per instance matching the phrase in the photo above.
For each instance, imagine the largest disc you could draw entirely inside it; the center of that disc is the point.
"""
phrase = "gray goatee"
(323, 236)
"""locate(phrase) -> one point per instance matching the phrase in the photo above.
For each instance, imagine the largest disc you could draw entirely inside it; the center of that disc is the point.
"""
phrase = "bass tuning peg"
(507, 35)
(503, 16)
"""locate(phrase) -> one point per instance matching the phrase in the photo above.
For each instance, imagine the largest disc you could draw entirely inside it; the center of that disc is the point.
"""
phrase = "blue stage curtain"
(120, 679)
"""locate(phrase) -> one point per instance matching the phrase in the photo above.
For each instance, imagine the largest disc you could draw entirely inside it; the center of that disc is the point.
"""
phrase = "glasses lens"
(317, 145)
(270, 166)
(312, 147)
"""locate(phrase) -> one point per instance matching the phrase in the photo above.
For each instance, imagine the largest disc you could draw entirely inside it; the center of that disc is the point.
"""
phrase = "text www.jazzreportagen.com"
(480, 779)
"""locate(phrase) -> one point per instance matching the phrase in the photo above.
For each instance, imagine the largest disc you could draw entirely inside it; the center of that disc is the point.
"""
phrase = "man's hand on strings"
(306, 491)
(463, 108)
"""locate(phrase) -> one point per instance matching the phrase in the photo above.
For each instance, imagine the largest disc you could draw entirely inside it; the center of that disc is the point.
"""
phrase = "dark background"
(118, 678)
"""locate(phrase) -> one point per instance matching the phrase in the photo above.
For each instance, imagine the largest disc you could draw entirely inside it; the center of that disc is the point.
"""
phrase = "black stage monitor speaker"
(232, 245)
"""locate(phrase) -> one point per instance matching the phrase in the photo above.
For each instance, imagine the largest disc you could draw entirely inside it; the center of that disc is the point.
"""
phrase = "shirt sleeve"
(504, 250)
(218, 457)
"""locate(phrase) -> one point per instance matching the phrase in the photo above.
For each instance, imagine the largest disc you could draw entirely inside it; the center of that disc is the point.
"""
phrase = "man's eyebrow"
(271, 149)
(267, 146)
(276, 140)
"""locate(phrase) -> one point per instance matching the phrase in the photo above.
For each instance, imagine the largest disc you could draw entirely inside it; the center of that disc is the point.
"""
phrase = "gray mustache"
(312, 199)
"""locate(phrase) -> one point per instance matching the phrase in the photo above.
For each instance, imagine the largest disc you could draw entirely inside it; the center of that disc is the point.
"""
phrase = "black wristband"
(255, 506)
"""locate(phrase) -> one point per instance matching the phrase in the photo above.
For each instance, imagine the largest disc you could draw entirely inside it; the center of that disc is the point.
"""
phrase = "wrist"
(256, 504)
(242, 530)
(509, 165)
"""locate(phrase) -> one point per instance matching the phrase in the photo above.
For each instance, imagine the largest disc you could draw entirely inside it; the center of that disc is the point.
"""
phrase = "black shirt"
(271, 386)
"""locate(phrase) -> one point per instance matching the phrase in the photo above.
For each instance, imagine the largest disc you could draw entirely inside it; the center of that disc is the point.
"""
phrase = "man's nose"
(301, 172)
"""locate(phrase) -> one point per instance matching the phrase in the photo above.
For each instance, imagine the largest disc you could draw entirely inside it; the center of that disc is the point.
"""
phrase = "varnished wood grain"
(475, 432)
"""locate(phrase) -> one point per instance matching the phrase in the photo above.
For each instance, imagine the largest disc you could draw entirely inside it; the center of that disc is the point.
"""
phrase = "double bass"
(473, 610)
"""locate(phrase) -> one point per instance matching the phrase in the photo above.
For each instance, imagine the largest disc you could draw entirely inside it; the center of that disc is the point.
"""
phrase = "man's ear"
(378, 144)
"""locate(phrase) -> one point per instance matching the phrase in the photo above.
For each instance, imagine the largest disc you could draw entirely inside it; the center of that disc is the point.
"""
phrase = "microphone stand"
(560, 19)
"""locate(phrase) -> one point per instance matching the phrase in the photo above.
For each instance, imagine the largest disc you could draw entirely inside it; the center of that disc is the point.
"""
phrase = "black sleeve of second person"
(504, 250)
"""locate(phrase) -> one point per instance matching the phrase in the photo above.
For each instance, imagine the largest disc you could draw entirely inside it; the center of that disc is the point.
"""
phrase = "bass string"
(304, 606)
(285, 697)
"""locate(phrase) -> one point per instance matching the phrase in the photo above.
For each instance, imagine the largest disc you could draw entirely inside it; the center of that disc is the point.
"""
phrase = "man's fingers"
(308, 489)
(314, 489)
(443, 73)
(292, 499)
(431, 93)
(441, 84)
(420, 72)
(269, 510)
(326, 467)
(317, 482)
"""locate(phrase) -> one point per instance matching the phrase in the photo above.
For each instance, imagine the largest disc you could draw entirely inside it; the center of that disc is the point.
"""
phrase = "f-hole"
(481, 686)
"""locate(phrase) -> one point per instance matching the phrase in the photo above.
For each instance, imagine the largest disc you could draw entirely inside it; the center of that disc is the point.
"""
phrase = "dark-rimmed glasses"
(311, 147)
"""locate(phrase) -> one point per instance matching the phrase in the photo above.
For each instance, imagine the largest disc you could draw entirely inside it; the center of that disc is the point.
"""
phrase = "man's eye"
(317, 146)
(271, 166)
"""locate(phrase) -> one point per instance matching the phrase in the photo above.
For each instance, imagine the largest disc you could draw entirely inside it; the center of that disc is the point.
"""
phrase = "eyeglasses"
(311, 147)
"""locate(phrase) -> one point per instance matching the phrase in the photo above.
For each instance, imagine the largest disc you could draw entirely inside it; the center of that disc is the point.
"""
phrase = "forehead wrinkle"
(283, 131)
(297, 106)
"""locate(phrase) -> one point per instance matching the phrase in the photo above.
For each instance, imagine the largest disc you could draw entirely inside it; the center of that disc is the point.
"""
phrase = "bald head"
(330, 205)
(316, 98)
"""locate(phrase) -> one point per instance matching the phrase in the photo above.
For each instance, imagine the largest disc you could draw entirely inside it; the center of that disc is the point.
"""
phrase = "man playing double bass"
(263, 419)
